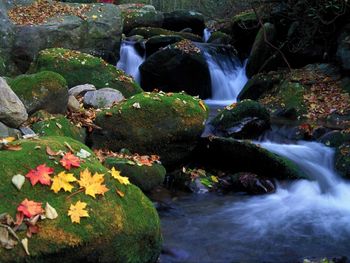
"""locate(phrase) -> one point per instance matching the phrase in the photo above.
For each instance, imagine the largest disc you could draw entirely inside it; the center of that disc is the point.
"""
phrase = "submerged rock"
(45, 90)
(145, 177)
(152, 123)
(12, 111)
(179, 67)
(117, 230)
(80, 68)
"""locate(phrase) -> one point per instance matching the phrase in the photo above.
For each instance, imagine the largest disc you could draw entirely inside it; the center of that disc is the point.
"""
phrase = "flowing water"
(302, 219)
(206, 34)
(227, 75)
(130, 60)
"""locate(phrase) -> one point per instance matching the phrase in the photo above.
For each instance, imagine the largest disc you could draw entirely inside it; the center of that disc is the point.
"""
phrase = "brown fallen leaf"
(50, 152)
(120, 193)
(12, 147)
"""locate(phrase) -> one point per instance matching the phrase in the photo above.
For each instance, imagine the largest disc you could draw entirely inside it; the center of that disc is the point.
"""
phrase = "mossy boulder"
(140, 15)
(145, 177)
(58, 125)
(148, 32)
(99, 33)
(80, 68)
(117, 230)
(155, 43)
(260, 56)
(181, 19)
(245, 119)
(221, 38)
(153, 123)
(179, 67)
(44, 90)
(235, 156)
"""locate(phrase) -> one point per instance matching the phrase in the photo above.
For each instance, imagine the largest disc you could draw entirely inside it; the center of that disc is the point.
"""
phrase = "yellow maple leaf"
(116, 174)
(93, 185)
(77, 211)
(63, 181)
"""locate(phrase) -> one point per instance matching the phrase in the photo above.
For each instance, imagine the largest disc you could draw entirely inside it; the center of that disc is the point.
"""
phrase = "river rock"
(81, 89)
(81, 68)
(6, 131)
(220, 38)
(235, 156)
(168, 125)
(246, 119)
(179, 67)
(148, 32)
(117, 230)
(73, 104)
(343, 52)
(139, 15)
(251, 183)
(103, 98)
(259, 58)
(12, 111)
(145, 177)
(99, 33)
(181, 19)
(45, 90)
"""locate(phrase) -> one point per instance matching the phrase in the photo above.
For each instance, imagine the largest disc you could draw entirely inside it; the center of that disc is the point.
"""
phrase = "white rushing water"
(302, 219)
(227, 75)
(130, 60)
(206, 34)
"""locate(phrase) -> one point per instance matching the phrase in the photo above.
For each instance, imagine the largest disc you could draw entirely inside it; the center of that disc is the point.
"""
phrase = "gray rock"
(12, 110)
(81, 89)
(8, 132)
(103, 98)
(99, 34)
(73, 103)
(343, 52)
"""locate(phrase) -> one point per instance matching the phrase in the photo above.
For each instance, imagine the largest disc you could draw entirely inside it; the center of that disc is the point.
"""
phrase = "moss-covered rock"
(179, 67)
(45, 90)
(245, 119)
(148, 32)
(241, 156)
(154, 44)
(145, 177)
(140, 15)
(117, 230)
(80, 68)
(342, 159)
(59, 126)
(218, 37)
(153, 123)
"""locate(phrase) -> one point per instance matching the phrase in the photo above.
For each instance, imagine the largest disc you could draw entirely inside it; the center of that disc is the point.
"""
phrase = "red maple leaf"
(40, 174)
(69, 160)
(30, 208)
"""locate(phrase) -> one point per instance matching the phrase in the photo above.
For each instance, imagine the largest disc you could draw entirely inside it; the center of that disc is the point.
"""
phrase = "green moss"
(243, 17)
(230, 116)
(145, 177)
(148, 32)
(118, 229)
(59, 126)
(219, 38)
(165, 124)
(80, 68)
(43, 90)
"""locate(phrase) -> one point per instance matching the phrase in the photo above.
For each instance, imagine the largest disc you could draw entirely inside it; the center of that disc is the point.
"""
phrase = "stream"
(302, 219)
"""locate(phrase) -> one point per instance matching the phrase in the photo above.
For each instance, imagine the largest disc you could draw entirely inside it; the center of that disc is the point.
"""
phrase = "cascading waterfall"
(130, 60)
(304, 218)
(227, 75)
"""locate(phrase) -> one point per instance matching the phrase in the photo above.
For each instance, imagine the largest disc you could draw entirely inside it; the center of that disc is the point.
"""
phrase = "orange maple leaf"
(92, 184)
(30, 208)
(40, 174)
(69, 160)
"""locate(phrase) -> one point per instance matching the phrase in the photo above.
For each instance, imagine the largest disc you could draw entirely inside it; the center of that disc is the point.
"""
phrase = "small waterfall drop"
(227, 74)
(206, 34)
(130, 60)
